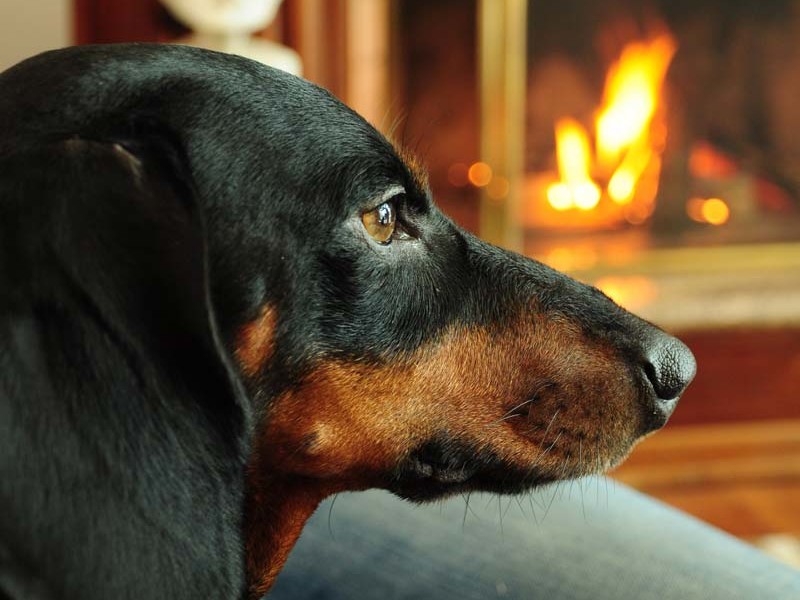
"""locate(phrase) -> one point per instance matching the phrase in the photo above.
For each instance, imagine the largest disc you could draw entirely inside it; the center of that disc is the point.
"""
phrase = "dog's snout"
(669, 366)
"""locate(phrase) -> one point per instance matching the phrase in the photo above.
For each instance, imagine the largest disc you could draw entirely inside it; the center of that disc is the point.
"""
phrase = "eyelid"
(390, 193)
(394, 196)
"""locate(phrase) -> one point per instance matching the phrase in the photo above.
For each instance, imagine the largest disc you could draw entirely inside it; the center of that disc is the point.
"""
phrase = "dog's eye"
(380, 222)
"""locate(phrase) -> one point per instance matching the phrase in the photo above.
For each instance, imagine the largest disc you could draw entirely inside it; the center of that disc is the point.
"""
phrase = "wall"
(28, 27)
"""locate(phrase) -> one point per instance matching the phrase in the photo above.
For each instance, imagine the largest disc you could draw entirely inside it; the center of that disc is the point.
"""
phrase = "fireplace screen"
(669, 122)
(649, 147)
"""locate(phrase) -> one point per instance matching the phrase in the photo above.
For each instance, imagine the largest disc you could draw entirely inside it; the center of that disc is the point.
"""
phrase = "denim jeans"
(591, 539)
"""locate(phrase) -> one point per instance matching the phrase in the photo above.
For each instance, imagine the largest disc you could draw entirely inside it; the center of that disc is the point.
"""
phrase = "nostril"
(652, 377)
(669, 366)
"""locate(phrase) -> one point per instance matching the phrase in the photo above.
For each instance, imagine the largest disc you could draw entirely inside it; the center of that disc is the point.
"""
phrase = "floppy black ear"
(126, 423)
(132, 240)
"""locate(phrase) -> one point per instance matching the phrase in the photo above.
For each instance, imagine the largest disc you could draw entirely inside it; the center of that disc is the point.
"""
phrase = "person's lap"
(594, 539)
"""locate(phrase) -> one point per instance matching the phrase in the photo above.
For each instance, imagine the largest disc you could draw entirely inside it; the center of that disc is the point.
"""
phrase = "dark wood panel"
(742, 375)
(438, 95)
(111, 21)
(314, 28)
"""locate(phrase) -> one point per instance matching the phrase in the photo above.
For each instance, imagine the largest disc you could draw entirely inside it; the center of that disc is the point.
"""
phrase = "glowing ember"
(479, 174)
(713, 211)
(630, 136)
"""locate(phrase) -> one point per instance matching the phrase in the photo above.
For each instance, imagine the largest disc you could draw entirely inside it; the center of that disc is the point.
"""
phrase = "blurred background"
(649, 147)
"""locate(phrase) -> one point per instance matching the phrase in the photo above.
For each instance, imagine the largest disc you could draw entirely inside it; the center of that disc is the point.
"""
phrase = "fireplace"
(671, 123)
(651, 148)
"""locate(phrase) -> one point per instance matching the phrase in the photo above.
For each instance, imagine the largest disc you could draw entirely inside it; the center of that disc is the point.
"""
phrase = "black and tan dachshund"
(225, 296)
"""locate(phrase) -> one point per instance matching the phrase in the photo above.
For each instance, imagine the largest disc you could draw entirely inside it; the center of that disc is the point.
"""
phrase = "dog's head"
(380, 344)
(390, 348)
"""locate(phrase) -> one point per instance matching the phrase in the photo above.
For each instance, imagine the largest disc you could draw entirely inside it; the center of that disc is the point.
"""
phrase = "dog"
(224, 296)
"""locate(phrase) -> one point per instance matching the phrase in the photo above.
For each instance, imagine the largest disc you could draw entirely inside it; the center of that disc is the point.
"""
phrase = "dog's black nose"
(669, 366)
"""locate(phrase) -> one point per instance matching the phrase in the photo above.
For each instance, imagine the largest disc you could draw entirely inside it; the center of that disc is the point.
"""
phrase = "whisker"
(544, 453)
(564, 473)
(599, 465)
(508, 506)
(550, 424)
(550, 447)
(510, 412)
(549, 504)
(330, 515)
(580, 468)
(521, 508)
(538, 499)
(399, 118)
(533, 510)
(500, 513)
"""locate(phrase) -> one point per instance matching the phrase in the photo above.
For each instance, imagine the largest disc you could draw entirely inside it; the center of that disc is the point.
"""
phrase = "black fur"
(152, 200)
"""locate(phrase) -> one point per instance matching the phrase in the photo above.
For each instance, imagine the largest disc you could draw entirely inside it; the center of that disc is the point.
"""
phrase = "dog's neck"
(276, 510)
(277, 505)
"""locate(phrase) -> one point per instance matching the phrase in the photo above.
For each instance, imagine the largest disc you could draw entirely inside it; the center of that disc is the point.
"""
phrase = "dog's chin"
(426, 489)
(445, 467)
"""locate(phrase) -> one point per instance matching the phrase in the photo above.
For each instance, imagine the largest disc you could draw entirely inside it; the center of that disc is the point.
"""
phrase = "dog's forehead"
(328, 135)
(271, 135)
(330, 147)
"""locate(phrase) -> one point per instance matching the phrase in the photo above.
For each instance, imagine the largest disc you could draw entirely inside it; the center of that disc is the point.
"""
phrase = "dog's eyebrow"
(414, 165)
(392, 191)
(384, 196)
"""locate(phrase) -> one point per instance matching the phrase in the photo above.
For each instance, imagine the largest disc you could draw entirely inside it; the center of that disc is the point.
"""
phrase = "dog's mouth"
(451, 420)
(535, 442)
(443, 467)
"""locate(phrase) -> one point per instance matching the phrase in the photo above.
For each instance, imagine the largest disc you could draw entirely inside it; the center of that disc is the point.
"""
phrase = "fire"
(629, 137)
(573, 154)
(633, 87)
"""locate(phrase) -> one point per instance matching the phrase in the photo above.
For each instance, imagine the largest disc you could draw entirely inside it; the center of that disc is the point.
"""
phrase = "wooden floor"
(743, 477)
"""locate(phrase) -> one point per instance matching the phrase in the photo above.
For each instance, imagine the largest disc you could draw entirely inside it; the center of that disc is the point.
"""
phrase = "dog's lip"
(424, 470)
(507, 482)
(659, 413)
(452, 476)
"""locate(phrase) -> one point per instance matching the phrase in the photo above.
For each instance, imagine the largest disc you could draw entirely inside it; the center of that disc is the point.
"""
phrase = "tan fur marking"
(348, 425)
(254, 342)
(275, 512)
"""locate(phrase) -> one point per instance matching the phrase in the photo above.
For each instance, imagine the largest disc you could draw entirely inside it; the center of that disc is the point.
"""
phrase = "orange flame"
(628, 141)
(633, 87)
(576, 188)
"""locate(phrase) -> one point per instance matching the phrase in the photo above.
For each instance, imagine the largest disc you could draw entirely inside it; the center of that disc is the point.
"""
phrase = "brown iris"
(380, 222)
